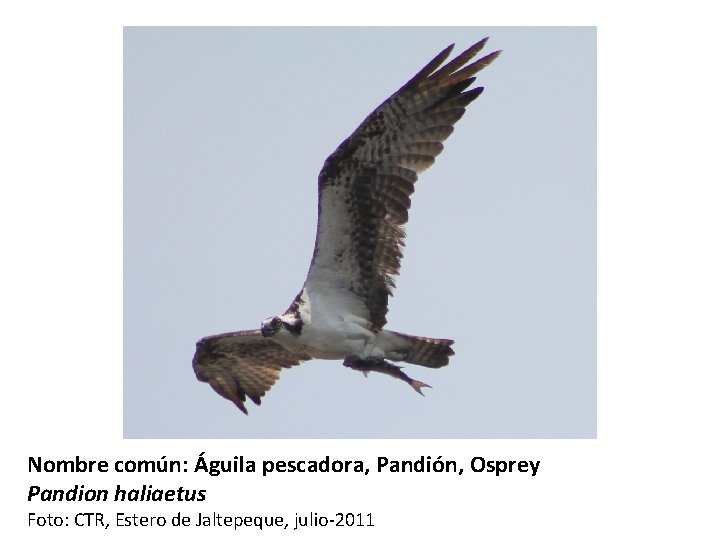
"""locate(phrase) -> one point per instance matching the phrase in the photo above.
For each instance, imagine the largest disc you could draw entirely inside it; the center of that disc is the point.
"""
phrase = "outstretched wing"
(365, 185)
(241, 364)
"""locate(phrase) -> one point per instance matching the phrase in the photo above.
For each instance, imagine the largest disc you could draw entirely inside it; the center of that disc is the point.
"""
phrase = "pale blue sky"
(225, 132)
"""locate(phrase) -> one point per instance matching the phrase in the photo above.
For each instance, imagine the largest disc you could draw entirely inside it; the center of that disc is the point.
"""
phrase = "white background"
(651, 472)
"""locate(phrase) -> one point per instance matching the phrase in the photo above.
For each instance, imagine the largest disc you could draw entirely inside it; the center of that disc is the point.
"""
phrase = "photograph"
(359, 232)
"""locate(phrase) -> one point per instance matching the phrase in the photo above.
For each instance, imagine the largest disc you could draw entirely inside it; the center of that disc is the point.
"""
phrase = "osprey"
(364, 191)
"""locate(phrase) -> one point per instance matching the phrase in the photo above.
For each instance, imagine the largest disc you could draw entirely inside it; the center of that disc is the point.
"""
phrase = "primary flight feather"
(364, 191)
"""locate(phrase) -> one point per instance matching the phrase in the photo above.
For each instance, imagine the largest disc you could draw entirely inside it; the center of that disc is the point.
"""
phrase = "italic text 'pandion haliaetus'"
(364, 191)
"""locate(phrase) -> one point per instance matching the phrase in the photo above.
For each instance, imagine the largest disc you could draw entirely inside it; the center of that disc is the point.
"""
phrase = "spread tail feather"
(423, 351)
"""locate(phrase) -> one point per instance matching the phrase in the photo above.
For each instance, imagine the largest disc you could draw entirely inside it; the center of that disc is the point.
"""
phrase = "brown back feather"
(370, 177)
(242, 364)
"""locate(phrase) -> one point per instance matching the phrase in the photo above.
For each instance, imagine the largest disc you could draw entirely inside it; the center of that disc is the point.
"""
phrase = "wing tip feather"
(431, 66)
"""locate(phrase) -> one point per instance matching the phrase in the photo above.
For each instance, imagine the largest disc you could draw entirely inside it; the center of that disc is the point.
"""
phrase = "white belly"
(334, 327)
(332, 341)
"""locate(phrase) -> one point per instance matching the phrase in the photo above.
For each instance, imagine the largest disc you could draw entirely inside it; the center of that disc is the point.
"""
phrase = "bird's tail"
(423, 351)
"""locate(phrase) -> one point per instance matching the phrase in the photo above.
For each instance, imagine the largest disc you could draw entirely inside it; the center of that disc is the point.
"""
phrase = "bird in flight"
(364, 191)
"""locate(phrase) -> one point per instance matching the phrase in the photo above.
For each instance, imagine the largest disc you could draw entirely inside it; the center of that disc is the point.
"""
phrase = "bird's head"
(288, 324)
(270, 326)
